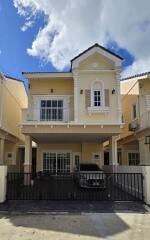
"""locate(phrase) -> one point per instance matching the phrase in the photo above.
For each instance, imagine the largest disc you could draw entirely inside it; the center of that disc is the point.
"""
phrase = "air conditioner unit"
(133, 126)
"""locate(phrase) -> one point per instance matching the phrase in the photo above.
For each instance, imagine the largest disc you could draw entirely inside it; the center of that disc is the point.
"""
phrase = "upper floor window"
(134, 111)
(97, 92)
(97, 98)
(51, 110)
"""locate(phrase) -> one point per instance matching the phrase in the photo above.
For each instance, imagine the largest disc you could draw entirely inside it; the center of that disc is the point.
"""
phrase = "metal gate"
(98, 187)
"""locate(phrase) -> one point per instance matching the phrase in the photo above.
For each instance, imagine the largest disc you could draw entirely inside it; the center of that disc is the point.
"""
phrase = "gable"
(101, 51)
(96, 62)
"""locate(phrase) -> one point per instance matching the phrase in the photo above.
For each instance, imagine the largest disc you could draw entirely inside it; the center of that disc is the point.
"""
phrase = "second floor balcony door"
(51, 110)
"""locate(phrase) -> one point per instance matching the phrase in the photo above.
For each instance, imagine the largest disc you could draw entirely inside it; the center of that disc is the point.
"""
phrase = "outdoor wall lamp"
(113, 91)
(81, 91)
(52, 90)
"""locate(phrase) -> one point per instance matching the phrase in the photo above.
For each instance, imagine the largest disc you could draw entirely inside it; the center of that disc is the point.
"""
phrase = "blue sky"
(14, 43)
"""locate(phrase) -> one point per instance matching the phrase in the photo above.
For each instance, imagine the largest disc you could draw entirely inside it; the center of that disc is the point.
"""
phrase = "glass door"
(50, 162)
(57, 162)
(63, 163)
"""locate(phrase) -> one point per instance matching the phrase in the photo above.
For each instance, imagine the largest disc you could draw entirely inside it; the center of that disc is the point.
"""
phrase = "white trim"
(102, 52)
(37, 105)
(118, 92)
(97, 70)
(47, 95)
(57, 151)
(98, 109)
(101, 89)
(36, 123)
(47, 75)
(75, 80)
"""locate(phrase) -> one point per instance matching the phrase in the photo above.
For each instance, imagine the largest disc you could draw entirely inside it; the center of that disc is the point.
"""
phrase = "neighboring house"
(134, 143)
(71, 114)
(13, 98)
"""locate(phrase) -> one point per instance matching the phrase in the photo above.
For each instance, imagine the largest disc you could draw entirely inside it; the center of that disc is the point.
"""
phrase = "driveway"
(84, 226)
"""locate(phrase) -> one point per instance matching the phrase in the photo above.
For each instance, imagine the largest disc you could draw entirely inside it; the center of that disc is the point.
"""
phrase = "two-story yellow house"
(71, 114)
(13, 98)
(134, 143)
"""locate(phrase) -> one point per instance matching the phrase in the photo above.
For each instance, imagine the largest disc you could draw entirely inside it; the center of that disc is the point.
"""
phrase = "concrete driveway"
(87, 226)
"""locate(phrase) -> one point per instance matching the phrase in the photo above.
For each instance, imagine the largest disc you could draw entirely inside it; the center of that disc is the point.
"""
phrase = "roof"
(99, 46)
(43, 72)
(14, 78)
(135, 76)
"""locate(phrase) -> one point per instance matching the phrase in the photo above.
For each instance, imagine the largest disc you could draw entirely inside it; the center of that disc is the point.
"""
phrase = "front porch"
(63, 152)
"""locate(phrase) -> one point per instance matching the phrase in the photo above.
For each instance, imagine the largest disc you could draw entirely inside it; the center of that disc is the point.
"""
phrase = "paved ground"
(71, 206)
(83, 226)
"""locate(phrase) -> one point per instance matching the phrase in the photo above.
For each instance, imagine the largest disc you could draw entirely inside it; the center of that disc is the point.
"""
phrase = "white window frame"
(134, 152)
(37, 106)
(101, 89)
(57, 152)
(102, 108)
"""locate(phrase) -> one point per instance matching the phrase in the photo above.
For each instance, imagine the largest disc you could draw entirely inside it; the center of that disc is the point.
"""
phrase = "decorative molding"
(105, 54)
(101, 89)
(118, 70)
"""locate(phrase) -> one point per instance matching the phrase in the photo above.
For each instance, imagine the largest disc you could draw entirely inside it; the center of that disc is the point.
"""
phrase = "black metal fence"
(79, 186)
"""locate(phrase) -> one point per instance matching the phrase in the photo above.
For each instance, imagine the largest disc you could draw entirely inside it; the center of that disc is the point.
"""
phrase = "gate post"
(3, 183)
(146, 172)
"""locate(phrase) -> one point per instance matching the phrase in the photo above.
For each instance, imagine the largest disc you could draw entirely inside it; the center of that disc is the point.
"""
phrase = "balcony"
(47, 114)
(141, 123)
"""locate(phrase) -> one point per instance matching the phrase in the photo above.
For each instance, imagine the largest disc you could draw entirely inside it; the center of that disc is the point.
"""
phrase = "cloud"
(72, 26)
(27, 25)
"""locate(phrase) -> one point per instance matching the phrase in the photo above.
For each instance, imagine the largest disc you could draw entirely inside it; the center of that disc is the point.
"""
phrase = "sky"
(44, 35)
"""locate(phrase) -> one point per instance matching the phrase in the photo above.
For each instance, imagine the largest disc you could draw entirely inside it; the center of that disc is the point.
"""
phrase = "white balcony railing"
(54, 114)
(144, 120)
(140, 123)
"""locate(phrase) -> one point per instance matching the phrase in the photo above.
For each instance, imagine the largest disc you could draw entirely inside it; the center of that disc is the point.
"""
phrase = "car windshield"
(89, 167)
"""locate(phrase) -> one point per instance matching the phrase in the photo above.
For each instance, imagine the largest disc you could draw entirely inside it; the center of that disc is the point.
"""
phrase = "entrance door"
(56, 162)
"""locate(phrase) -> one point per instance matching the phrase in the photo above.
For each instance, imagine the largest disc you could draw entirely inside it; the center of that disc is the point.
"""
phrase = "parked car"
(91, 176)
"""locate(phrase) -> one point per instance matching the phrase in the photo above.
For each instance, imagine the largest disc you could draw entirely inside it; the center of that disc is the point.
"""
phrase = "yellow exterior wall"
(101, 63)
(85, 80)
(86, 150)
(125, 149)
(60, 87)
(13, 99)
(127, 103)
(129, 86)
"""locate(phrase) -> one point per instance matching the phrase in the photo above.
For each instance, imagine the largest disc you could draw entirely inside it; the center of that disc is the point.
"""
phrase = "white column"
(2, 142)
(3, 182)
(113, 152)
(28, 154)
(118, 94)
(75, 77)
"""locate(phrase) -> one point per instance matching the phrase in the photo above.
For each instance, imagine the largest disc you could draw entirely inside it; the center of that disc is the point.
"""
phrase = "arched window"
(97, 94)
